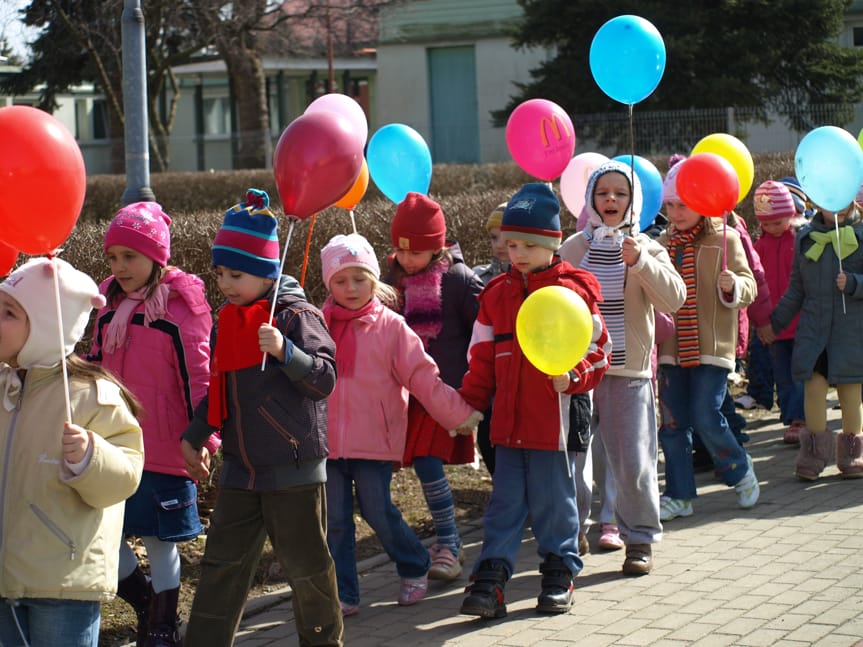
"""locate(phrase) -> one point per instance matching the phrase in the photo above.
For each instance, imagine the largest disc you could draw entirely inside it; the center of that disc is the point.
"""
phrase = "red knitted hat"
(419, 225)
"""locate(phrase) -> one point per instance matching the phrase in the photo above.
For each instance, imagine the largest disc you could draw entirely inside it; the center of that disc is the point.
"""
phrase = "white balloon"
(573, 181)
(342, 104)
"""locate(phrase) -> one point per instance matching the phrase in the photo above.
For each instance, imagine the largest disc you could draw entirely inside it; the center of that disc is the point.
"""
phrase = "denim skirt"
(165, 506)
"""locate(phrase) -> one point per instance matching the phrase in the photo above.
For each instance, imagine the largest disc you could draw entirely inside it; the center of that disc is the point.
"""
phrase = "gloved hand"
(468, 427)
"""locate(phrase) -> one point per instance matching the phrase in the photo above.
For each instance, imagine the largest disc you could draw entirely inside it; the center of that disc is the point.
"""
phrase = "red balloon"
(708, 184)
(8, 258)
(40, 164)
(316, 162)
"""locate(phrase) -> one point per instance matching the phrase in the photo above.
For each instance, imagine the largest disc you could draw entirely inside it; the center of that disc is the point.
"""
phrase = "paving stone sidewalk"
(787, 572)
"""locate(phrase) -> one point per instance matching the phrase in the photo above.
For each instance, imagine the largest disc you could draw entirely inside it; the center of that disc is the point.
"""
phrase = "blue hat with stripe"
(533, 214)
(248, 240)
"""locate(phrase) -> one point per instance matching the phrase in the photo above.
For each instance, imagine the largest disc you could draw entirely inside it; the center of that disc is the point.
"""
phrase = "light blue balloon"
(651, 187)
(627, 58)
(399, 161)
(829, 166)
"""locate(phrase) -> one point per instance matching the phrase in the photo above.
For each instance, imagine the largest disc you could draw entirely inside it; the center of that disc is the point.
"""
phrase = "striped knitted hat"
(533, 214)
(247, 240)
(773, 201)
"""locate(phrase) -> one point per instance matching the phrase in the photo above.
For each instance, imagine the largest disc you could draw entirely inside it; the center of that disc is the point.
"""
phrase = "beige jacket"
(652, 283)
(717, 318)
(60, 533)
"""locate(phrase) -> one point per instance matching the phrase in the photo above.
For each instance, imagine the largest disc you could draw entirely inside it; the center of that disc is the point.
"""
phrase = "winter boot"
(849, 455)
(485, 593)
(164, 628)
(816, 450)
(135, 589)
(556, 595)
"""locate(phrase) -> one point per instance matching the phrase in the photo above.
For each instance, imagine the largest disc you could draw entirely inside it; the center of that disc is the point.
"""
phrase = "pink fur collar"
(422, 299)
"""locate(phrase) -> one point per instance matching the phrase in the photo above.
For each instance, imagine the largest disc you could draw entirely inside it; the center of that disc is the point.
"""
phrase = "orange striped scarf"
(683, 243)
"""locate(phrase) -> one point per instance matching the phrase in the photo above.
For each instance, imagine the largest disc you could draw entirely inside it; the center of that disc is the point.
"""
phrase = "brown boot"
(639, 559)
(164, 628)
(849, 455)
(135, 589)
(816, 451)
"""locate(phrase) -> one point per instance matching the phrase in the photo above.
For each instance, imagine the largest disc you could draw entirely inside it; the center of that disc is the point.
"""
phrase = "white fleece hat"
(32, 286)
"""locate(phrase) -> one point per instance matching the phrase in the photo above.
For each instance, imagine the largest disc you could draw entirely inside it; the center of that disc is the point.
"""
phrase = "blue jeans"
(691, 400)
(372, 480)
(46, 621)
(533, 481)
(790, 393)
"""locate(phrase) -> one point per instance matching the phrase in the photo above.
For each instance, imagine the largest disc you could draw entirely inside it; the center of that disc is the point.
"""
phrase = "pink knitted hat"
(142, 226)
(773, 201)
(348, 251)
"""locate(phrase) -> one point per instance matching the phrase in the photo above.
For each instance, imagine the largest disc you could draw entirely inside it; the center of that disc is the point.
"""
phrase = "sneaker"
(349, 609)
(413, 590)
(672, 508)
(792, 434)
(609, 539)
(444, 564)
(747, 488)
(746, 401)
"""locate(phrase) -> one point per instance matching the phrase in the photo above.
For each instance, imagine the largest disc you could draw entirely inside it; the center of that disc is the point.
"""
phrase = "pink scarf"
(344, 334)
(155, 307)
(423, 302)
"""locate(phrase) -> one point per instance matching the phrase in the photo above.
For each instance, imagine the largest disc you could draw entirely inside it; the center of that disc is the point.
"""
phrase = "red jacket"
(526, 413)
(777, 256)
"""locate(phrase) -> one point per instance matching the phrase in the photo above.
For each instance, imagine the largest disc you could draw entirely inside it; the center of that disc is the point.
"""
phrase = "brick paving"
(787, 573)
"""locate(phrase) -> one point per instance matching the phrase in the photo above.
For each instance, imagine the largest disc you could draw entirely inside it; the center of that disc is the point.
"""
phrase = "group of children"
(313, 407)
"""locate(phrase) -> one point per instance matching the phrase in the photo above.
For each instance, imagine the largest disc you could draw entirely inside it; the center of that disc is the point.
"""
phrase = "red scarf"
(683, 242)
(344, 334)
(237, 347)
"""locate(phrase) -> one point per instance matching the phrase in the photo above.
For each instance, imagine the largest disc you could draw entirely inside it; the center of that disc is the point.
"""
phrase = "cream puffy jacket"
(60, 533)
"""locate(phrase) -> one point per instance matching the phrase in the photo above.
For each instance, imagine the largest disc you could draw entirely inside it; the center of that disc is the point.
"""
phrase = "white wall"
(402, 88)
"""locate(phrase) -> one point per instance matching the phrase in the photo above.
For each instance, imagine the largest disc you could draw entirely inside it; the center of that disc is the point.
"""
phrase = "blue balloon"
(829, 166)
(651, 188)
(399, 161)
(627, 58)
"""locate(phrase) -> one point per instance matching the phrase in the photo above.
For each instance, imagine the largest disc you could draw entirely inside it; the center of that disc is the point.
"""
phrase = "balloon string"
(631, 161)
(353, 221)
(839, 255)
(291, 219)
(563, 435)
(306, 251)
(725, 241)
(60, 331)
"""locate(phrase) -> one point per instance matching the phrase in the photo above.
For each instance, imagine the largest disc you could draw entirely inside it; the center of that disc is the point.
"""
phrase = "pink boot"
(816, 450)
(849, 455)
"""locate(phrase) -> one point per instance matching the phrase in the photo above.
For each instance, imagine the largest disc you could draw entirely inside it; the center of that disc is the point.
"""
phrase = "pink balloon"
(316, 162)
(346, 107)
(573, 182)
(540, 138)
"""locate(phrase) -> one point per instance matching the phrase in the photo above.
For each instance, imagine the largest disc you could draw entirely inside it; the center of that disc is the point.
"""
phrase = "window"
(100, 119)
(217, 116)
(858, 37)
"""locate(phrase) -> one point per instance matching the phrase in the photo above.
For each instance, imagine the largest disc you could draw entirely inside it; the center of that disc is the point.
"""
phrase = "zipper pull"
(296, 452)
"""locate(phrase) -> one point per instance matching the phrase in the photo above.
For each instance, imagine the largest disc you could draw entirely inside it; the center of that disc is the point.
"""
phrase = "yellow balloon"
(735, 152)
(554, 327)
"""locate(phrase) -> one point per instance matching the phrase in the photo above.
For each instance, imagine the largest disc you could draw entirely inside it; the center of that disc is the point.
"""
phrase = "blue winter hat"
(247, 240)
(533, 214)
(801, 200)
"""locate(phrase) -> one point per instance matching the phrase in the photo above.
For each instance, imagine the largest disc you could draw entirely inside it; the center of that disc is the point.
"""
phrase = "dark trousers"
(295, 522)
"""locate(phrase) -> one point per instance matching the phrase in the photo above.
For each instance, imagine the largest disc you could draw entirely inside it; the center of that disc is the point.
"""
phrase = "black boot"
(556, 595)
(135, 589)
(485, 597)
(164, 623)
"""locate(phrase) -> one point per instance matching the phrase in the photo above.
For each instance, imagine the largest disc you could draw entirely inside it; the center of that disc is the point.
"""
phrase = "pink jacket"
(368, 411)
(777, 255)
(760, 310)
(166, 365)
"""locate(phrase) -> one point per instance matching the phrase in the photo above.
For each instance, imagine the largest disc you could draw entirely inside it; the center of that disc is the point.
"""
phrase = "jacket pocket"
(55, 530)
(177, 513)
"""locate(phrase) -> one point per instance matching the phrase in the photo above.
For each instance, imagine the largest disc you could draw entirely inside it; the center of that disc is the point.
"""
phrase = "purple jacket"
(166, 365)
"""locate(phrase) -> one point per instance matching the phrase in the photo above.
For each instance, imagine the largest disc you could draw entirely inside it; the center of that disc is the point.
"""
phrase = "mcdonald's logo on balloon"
(555, 124)
(540, 138)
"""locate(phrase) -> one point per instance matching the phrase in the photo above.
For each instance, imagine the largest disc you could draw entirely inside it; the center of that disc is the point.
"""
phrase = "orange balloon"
(352, 198)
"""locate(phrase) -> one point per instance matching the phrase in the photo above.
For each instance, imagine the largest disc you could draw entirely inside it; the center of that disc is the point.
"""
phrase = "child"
(154, 335)
(274, 424)
(379, 360)
(776, 213)
(531, 475)
(636, 276)
(438, 299)
(64, 480)
(827, 346)
(695, 362)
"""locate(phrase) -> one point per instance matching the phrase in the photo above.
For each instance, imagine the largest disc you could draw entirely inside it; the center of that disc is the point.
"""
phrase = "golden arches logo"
(556, 124)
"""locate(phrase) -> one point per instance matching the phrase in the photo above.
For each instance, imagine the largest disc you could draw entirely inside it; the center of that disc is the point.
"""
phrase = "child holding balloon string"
(637, 278)
(695, 362)
(437, 295)
(380, 361)
(531, 459)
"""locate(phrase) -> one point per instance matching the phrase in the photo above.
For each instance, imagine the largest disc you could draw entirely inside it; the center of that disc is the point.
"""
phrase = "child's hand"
(726, 281)
(468, 427)
(560, 383)
(272, 341)
(630, 250)
(76, 442)
(197, 460)
(841, 281)
(766, 334)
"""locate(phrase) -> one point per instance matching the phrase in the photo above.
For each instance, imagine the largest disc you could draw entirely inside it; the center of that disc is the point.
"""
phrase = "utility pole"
(135, 105)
